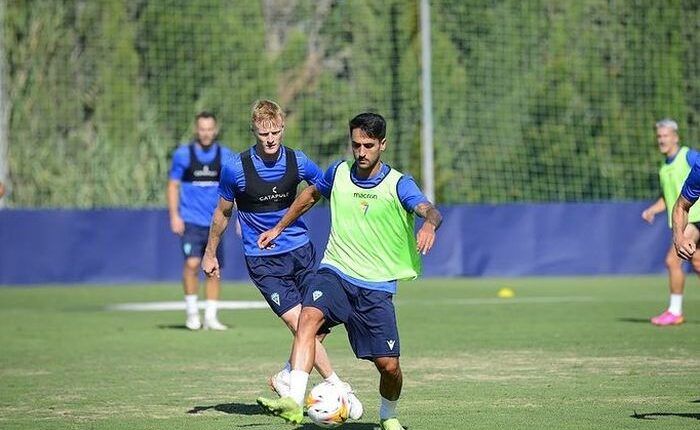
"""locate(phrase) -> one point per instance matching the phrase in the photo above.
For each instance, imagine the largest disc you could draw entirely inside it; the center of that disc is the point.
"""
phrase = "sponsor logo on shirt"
(205, 172)
(364, 195)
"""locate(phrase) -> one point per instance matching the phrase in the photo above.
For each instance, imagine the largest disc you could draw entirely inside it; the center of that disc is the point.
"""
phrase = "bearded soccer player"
(371, 246)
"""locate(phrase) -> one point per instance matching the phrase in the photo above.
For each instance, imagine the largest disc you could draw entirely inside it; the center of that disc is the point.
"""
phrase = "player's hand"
(266, 238)
(210, 266)
(685, 248)
(425, 238)
(648, 216)
(177, 225)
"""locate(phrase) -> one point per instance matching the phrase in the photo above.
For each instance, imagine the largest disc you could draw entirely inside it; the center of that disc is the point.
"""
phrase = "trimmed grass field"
(564, 353)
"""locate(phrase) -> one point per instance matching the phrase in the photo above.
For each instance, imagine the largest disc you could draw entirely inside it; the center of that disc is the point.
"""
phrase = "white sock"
(191, 304)
(333, 379)
(210, 309)
(297, 385)
(676, 304)
(387, 409)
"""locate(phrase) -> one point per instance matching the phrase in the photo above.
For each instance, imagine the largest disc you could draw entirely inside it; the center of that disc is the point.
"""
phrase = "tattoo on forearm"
(430, 213)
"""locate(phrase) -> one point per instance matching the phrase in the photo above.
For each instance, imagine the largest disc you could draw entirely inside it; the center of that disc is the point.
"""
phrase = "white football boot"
(193, 322)
(214, 324)
(279, 383)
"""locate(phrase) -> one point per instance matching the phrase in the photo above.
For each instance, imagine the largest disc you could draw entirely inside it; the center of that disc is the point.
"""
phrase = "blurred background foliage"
(537, 100)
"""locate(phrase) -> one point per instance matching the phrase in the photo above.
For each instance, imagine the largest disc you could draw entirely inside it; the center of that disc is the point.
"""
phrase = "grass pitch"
(564, 353)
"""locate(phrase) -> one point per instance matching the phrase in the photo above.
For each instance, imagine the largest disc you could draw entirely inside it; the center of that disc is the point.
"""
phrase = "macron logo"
(316, 295)
(364, 196)
(275, 298)
(391, 343)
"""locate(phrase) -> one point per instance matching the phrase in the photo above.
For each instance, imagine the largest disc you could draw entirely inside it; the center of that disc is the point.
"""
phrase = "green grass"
(565, 353)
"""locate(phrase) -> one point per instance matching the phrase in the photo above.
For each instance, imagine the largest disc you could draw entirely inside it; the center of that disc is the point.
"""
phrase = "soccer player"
(192, 197)
(263, 181)
(672, 173)
(371, 246)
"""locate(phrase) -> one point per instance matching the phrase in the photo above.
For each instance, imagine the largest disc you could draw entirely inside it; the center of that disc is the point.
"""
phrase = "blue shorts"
(368, 315)
(280, 278)
(194, 242)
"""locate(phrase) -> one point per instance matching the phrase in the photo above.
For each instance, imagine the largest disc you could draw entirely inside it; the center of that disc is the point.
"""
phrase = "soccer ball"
(327, 405)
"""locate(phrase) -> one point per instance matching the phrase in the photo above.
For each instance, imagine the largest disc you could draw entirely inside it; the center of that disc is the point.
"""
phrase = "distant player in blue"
(372, 244)
(262, 181)
(192, 196)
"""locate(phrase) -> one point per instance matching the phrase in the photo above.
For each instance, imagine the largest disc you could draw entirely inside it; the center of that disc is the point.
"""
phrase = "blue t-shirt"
(197, 202)
(253, 224)
(691, 187)
(409, 195)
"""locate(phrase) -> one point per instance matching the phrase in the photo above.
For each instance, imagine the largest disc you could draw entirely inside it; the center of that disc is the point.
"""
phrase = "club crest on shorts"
(390, 343)
(316, 295)
(187, 248)
(275, 297)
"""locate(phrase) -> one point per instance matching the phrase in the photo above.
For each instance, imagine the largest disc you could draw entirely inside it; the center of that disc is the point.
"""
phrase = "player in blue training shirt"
(372, 244)
(192, 196)
(263, 181)
(672, 174)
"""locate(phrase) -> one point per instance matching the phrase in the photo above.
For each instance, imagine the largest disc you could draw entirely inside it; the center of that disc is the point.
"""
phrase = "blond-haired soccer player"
(262, 181)
(371, 245)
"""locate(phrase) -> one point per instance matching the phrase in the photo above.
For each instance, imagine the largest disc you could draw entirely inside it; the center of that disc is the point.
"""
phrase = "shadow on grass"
(647, 321)
(254, 409)
(230, 408)
(173, 326)
(654, 415)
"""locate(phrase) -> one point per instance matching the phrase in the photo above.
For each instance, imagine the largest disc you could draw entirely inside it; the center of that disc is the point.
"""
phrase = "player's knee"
(673, 262)
(310, 320)
(388, 366)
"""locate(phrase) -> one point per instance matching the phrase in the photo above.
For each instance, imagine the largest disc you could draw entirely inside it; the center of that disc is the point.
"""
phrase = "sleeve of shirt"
(409, 193)
(181, 159)
(691, 156)
(325, 184)
(691, 187)
(227, 181)
(308, 170)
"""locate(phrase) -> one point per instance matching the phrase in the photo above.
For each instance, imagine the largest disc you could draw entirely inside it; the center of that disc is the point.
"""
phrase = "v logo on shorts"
(275, 298)
(316, 295)
(391, 343)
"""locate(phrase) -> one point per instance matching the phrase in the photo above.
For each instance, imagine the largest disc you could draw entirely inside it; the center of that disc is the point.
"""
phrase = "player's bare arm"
(219, 222)
(302, 203)
(657, 207)
(177, 225)
(425, 238)
(685, 247)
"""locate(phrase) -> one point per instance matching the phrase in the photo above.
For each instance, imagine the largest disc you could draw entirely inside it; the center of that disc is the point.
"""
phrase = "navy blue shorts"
(280, 278)
(194, 242)
(368, 315)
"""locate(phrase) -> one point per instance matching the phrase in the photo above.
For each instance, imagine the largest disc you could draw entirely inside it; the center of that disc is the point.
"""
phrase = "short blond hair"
(266, 111)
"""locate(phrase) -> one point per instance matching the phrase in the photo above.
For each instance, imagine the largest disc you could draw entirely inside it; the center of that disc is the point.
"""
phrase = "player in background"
(262, 181)
(192, 196)
(672, 173)
(371, 246)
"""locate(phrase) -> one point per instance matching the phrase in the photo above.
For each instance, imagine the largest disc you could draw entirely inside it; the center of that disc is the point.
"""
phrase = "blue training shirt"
(691, 186)
(253, 224)
(409, 195)
(197, 202)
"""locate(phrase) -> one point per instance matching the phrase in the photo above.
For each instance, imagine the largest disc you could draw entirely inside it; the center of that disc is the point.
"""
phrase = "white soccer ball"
(327, 405)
